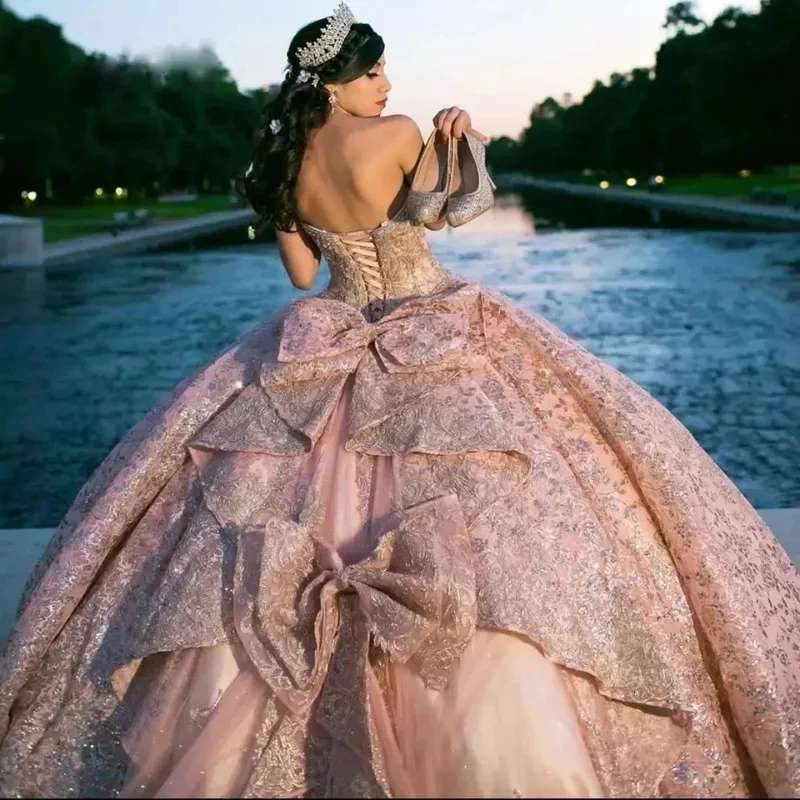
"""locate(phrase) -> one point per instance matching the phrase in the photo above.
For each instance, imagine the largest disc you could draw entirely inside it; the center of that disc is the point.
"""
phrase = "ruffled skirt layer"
(446, 554)
(504, 726)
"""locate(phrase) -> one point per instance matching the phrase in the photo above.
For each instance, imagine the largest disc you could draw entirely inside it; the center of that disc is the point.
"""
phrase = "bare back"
(353, 175)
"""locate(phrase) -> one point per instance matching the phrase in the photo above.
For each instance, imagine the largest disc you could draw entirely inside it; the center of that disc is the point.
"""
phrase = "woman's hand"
(455, 122)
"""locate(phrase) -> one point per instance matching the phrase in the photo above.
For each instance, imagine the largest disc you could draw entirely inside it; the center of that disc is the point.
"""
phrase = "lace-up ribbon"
(364, 252)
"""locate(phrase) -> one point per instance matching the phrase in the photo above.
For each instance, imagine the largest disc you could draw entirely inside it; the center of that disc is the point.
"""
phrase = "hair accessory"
(304, 77)
(276, 126)
(330, 41)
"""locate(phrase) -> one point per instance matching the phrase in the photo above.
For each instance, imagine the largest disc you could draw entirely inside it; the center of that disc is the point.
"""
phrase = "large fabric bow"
(309, 628)
(322, 337)
(324, 341)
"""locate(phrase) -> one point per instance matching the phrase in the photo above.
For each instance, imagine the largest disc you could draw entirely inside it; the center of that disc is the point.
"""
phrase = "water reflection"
(706, 320)
(553, 209)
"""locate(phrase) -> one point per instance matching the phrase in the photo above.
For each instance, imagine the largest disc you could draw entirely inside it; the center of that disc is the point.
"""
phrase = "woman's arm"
(300, 257)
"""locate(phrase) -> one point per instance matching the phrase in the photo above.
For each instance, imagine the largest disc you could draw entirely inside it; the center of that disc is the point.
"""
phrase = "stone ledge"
(21, 548)
(781, 218)
(138, 240)
(21, 241)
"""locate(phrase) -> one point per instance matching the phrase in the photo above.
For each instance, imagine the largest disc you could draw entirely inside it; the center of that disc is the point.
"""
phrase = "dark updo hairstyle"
(300, 107)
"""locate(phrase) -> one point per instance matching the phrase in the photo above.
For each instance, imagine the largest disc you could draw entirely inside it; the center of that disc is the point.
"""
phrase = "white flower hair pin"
(304, 76)
(276, 126)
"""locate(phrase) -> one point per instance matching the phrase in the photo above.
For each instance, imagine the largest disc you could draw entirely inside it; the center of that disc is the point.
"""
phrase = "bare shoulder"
(402, 136)
(400, 126)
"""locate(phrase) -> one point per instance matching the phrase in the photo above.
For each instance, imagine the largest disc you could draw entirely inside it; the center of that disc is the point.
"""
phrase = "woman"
(403, 539)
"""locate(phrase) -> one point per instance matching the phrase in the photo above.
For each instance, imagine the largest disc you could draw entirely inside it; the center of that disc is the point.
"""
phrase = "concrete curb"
(104, 245)
(21, 241)
(21, 548)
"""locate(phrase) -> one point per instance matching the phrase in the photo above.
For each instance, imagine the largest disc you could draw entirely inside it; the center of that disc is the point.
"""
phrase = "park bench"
(776, 197)
(124, 220)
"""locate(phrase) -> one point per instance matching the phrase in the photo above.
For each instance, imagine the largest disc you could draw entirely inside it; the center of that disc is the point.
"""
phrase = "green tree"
(503, 154)
(35, 68)
(682, 17)
(75, 121)
(720, 96)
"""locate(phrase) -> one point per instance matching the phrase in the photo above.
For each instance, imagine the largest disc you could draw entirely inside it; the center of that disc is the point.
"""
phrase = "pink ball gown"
(406, 539)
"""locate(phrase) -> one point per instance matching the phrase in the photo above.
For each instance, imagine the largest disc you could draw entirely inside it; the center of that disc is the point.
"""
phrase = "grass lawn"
(731, 186)
(67, 222)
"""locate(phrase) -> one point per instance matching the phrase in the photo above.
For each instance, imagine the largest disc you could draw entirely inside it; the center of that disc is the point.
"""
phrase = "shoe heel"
(464, 207)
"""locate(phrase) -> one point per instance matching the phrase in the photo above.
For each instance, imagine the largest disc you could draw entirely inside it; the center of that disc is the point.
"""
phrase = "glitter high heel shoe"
(430, 185)
(471, 185)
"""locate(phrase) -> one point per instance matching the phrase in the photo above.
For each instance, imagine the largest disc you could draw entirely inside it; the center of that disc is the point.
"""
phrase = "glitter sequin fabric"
(405, 539)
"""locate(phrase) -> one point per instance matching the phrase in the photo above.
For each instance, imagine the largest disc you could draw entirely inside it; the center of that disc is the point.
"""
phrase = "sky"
(495, 58)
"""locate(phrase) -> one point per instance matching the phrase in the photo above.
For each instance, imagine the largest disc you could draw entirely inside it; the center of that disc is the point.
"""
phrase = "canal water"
(707, 320)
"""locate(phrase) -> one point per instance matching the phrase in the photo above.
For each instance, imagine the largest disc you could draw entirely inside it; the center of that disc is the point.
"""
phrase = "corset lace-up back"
(364, 252)
(374, 270)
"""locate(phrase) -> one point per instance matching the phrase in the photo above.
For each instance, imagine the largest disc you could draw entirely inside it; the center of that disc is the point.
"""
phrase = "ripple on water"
(707, 322)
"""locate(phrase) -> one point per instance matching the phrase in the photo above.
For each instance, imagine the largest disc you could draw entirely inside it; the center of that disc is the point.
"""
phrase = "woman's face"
(365, 96)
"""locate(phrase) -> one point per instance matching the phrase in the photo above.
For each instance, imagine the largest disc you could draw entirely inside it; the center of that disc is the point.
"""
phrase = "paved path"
(20, 550)
(758, 215)
(160, 234)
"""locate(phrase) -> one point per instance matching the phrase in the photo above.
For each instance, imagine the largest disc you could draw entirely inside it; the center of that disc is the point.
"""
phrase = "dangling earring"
(332, 100)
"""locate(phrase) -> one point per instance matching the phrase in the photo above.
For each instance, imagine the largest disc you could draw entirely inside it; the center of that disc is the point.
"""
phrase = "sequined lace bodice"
(374, 270)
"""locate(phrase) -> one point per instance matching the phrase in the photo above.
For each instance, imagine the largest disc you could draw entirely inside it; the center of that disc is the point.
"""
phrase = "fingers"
(456, 122)
(447, 119)
(461, 124)
(437, 120)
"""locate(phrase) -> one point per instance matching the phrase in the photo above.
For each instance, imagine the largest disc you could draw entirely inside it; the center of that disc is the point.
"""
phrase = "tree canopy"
(721, 96)
(71, 121)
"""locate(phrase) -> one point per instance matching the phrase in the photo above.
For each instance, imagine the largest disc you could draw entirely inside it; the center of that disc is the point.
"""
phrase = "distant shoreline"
(765, 217)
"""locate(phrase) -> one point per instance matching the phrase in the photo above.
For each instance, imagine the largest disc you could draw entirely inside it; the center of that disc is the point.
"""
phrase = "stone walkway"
(772, 217)
(152, 237)
(20, 550)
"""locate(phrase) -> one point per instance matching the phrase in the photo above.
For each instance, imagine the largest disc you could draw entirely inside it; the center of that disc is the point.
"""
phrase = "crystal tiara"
(330, 40)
